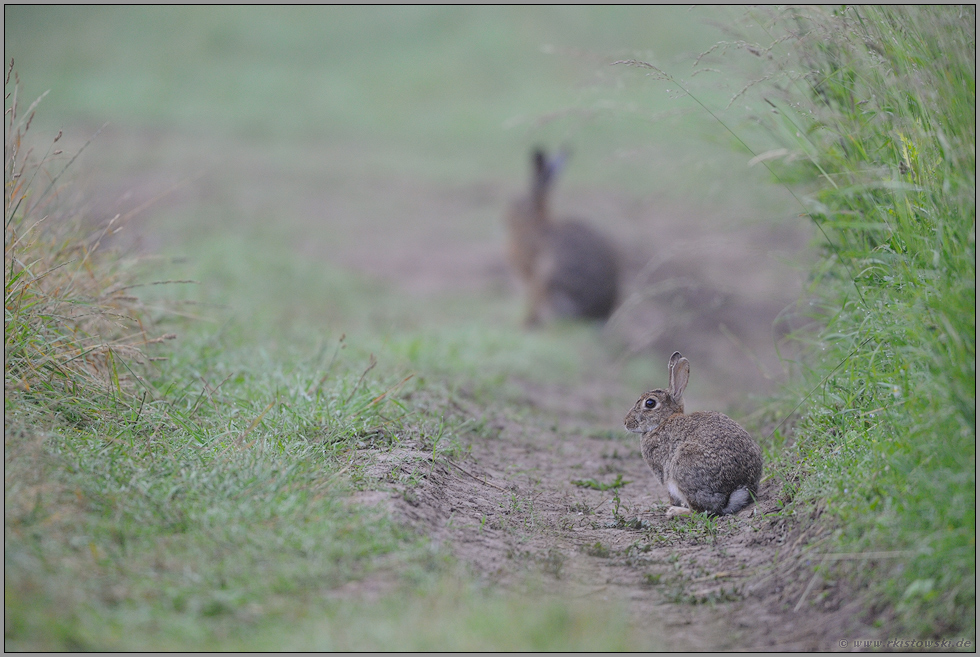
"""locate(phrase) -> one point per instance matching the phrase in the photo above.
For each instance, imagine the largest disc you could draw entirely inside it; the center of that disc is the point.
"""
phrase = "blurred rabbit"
(707, 461)
(569, 269)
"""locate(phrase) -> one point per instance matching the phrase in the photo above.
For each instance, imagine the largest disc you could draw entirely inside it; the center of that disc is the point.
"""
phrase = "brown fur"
(707, 461)
(568, 268)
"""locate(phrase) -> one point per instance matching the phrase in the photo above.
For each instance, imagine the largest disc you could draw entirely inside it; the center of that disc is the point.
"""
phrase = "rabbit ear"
(680, 370)
(557, 162)
(545, 168)
(674, 357)
(539, 160)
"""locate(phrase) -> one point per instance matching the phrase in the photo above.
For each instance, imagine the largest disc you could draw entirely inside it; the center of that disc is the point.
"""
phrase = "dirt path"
(511, 514)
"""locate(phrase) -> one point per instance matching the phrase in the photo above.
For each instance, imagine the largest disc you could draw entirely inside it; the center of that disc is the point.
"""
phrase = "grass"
(149, 504)
(198, 492)
(220, 500)
(873, 110)
(868, 114)
(452, 617)
(204, 500)
(595, 485)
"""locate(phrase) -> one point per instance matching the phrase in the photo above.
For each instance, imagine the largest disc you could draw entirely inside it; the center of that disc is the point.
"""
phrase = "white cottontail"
(568, 268)
(707, 461)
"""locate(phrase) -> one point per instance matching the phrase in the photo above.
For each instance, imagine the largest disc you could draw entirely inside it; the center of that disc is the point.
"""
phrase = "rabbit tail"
(738, 500)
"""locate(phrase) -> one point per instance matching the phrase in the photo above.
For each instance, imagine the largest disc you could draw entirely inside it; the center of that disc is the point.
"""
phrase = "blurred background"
(347, 168)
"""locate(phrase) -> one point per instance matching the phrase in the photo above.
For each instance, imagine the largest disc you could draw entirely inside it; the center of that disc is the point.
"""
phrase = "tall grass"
(876, 108)
(73, 332)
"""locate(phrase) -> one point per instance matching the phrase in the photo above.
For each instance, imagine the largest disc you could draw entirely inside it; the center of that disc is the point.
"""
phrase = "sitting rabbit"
(707, 461)
(569, 269)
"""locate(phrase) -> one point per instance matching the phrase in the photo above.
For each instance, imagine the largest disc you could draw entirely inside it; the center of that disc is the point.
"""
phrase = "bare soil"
(511, 512)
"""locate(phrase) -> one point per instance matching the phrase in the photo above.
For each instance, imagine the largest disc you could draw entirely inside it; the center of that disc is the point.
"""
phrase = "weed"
(635, 546)
(634, 523)
(695, 527)
(598, 550)
(619, 520)
(595, 485)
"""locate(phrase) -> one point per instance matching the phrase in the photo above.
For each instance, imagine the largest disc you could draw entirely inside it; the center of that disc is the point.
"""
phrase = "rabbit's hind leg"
(538, 284)
(679, 506)
(676, 495)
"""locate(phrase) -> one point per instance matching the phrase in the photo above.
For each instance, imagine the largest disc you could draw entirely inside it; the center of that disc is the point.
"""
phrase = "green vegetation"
(137, 508)
(595, 485)
(201, 493)
(879, 112)
(868, 114)
(167, 498)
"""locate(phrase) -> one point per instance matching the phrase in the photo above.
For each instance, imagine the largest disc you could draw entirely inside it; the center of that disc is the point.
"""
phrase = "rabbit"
(568, 268)
(707, 461)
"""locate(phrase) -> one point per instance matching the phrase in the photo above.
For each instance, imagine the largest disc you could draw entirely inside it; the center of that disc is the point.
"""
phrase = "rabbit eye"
(650, 403)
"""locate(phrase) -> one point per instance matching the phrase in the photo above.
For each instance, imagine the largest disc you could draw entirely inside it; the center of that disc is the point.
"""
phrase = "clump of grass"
(595, 485)
(598, 550)
(73, 332)
(875, 108)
